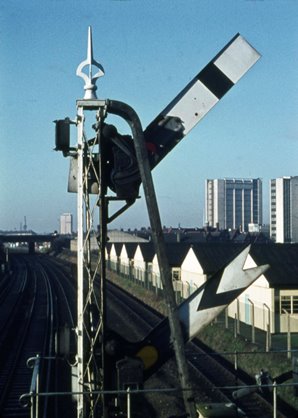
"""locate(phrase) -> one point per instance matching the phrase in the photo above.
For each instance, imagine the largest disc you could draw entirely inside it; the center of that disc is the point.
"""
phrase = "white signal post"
(87, 373)
(80, 270)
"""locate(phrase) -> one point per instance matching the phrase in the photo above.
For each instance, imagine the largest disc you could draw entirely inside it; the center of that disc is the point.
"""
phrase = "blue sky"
(149, 50)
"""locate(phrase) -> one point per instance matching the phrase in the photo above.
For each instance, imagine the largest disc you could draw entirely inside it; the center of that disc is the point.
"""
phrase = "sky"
(150, 50)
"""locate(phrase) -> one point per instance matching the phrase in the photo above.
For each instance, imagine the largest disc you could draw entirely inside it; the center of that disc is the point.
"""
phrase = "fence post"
(289, 348)
(235, 361)
(268, 329)
(253, 334)
(227, 318)
(295, 374)
(128, 403)
(274, 400)
(267, 338)
(238, 317)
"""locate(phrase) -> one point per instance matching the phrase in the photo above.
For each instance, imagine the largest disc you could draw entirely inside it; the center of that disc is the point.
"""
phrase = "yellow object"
(148, 355)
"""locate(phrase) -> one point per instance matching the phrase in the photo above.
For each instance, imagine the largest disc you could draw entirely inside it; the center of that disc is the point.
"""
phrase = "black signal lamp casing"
(62, 135)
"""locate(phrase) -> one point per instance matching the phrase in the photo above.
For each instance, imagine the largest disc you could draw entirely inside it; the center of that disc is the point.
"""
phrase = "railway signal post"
(122, 163)
(91, 375)
(90, 303)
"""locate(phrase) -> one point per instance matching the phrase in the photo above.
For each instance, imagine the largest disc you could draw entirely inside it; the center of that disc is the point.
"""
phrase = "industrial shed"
(143, 257)
(114, 260)
(126, 258)
(204, 259)
(271, 302)
(176, 253)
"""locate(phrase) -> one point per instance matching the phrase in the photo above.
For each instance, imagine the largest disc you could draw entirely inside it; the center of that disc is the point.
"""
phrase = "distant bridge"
(30, 239)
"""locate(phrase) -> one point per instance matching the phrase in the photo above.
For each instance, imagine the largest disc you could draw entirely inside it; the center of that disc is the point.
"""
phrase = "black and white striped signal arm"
(198, 97)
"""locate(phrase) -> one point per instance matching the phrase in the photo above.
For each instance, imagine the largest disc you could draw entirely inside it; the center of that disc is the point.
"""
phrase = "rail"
(30, 338)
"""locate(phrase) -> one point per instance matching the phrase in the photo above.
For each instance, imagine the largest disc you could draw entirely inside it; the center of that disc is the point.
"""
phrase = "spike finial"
(90, 87)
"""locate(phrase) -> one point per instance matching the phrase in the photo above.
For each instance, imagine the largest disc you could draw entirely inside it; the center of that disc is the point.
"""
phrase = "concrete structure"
(284, 209)
(66, 227)
(114, 236)
(233, 203)
(30, 239)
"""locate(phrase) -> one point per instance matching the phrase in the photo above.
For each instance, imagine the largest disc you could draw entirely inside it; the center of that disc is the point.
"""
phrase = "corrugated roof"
(283, 260)
(185, 237)
(121, 236)
(176, 253)
(214, 255)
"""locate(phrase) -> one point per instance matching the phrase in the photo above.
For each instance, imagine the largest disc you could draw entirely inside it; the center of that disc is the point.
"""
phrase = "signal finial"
(90, 87)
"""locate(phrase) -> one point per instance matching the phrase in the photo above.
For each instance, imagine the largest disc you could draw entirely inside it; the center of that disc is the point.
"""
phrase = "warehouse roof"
(283, 260)
(214, 255)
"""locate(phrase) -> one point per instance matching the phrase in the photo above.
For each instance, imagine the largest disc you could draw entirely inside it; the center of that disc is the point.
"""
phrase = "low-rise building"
(272, 300)
(269, 304)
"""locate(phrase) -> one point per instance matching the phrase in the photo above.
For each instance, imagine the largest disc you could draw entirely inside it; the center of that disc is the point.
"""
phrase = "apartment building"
(66, 227)
(284, 209)
(233, 203)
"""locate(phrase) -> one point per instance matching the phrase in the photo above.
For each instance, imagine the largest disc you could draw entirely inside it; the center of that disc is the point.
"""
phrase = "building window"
(289, 304)
(295, 304)
(285, 304)
(176, 274)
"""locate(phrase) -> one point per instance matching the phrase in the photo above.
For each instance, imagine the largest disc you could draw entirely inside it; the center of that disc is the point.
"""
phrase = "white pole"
(268, 328)
(288, 334)
(274, 400)
(289, 348)
(235, 361)
(80, 256)
(128, 403)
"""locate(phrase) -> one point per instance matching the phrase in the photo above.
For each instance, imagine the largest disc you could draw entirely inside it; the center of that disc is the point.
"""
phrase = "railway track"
(215, 373)
(41, 300)
(34, 304)
(209, 370)
(27, 304)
